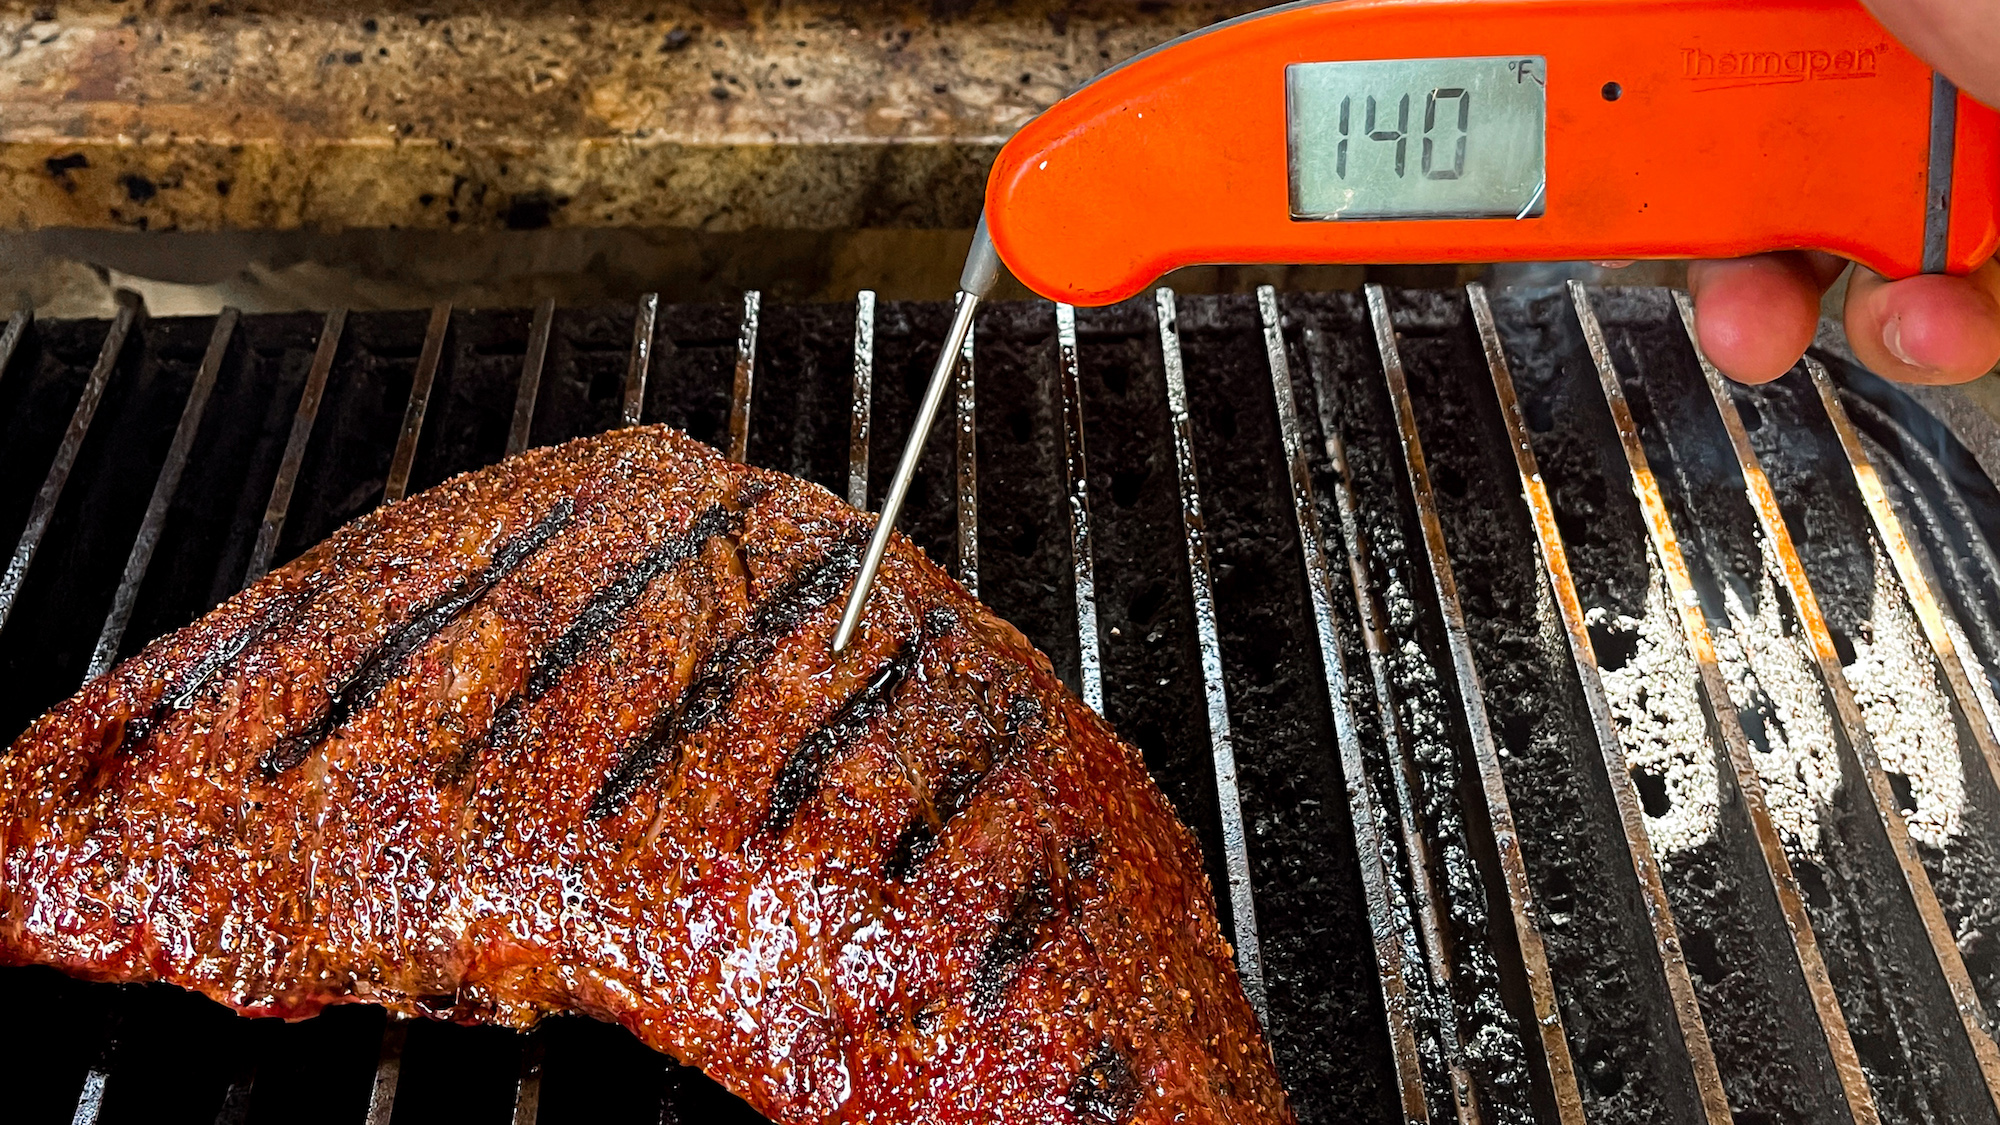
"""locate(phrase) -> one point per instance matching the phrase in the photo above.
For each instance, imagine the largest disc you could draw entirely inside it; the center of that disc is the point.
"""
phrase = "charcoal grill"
(1571, 736)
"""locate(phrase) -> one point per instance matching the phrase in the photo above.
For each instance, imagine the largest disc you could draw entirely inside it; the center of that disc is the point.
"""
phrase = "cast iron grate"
(1570, 736)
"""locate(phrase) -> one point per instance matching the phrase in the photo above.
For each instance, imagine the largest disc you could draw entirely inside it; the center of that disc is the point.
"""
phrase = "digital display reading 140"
(1416, 138)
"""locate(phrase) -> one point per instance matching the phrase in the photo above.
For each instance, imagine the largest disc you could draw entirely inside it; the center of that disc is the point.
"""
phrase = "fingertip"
(1755, 316)
(1931, 328)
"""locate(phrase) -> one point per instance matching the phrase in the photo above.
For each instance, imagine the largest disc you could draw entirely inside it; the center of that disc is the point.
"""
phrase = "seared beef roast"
(567, 734)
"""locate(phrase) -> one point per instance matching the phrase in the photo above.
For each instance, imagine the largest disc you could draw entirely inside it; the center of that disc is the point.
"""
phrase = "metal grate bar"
(528, 1088)
(1916, 585)
(388, 1070)
(530, 386)
(1076, 471)
(1229, 800)
(295, 447)
(90, 1102)
(643, 322)
(1631, 814)
(1922, 518)
(113, 633)
(863, 402)
(1857, 740)
(235, 1108)
(1397, 956)
(745, 382)
(968, 471)
(1405, 778)
(10, 337)
(398, 484)
(1491, 784)
(90, 1099)
(1701, 646)
(44, 508)
(1923, 508)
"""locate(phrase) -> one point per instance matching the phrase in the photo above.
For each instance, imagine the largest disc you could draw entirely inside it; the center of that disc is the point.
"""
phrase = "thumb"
(1961, 38)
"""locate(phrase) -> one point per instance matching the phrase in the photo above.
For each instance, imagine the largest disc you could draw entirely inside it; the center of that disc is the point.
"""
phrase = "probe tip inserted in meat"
(982, 267)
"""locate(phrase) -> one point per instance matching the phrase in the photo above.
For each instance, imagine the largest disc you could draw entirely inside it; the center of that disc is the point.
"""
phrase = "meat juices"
(566, 734)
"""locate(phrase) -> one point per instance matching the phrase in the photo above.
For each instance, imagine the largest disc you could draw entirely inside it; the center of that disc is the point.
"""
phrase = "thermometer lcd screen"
(1416, 138)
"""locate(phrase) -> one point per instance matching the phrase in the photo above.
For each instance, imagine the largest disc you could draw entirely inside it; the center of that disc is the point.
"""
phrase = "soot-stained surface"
(1393, 777)
(1752, 996)
(801, 408)
(1863, 918)
(1302, 859)
(1802, 457)
(212, 523)
(472, 400)
(83, 549)
(693, 367)
(583, 376)
(354, 435)
(1024, 548)
(908, 335)
(1341, 384)
(1152, 671)
(1571, 837)
(38, 393)
(1934, 478)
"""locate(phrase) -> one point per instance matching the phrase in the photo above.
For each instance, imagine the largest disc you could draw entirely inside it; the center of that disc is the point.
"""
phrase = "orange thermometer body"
(1502, 130)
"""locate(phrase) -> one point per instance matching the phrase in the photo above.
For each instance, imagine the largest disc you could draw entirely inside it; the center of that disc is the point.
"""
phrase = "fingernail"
(1892, 338)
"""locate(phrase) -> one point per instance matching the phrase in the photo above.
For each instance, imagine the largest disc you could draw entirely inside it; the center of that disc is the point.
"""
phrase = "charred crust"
(959, 782)
(135, 731)
(940, 623)
(1105, 1090)
(607, 608)
(709, 693)
(181, 694)
(387, 660)
(916, 842)
(754, 490)
(1012, 943)
(1080, 862)
(1025, 716)
(927, 1017)
(804, 772)
(282, 610)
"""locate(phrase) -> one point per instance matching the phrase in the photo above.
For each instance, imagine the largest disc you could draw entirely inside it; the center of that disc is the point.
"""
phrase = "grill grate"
(1570, 736)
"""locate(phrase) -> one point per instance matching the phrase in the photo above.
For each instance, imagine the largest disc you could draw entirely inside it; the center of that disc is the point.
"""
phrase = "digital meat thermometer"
(1480, 131)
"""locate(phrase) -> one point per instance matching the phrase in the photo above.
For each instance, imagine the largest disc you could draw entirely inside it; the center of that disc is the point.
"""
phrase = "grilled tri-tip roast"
(567, 734)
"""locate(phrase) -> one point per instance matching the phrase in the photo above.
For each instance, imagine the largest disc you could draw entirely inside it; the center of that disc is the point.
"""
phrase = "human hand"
(1757, 315)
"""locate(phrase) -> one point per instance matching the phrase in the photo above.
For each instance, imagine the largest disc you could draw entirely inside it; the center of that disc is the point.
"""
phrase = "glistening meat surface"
(567, 734)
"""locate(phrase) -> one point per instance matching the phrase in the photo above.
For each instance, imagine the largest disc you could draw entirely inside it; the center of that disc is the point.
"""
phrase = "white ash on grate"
(1777, 693)
(1904, 707)
(1657, 706)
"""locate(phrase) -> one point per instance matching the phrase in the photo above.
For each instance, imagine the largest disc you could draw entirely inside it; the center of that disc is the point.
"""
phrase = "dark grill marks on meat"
(1106, 1090)
(804, 771)
(709, 693)
(605, 611)
(282, 609)
(915, 843)
(181, 694)
(1016, 938)
(959, 783)
(387, 660)
(919, 839)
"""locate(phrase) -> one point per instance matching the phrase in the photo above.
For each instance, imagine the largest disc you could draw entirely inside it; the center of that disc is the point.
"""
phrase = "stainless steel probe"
(982, 267)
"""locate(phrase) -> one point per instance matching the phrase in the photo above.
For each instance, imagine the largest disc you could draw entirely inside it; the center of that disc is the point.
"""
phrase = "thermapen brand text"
(1747, 67)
